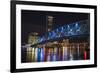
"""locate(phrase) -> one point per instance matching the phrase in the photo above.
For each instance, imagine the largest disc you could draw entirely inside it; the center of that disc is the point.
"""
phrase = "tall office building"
(49, 25)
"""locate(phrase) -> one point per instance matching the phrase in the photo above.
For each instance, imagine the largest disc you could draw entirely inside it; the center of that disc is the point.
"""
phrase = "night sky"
(35, 21)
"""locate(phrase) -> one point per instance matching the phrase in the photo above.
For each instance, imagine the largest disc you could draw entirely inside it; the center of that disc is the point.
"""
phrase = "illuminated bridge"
(77, 29)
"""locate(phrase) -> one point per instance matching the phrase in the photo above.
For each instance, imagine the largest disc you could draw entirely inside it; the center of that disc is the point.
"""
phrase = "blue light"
(42, 54)
(78, 29)
(62, 28)
(53, 34)
(39, 55)
(49, 33)
(76, 24)
(66, 30)
(68, 27)
(70, 30)
(57, 30)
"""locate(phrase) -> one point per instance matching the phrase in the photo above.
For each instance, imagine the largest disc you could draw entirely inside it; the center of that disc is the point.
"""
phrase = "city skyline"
(34, 20)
